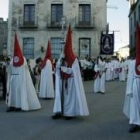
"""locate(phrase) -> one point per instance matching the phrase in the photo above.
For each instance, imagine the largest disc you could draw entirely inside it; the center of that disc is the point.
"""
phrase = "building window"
(29, 14)
(84, 14)
(56, 13)
(56, 47)
(84, 47)
(28, 48)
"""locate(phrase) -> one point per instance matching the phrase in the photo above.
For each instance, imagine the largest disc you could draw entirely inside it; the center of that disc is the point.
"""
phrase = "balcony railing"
(28, 23)
(53, 25)
(84, 24)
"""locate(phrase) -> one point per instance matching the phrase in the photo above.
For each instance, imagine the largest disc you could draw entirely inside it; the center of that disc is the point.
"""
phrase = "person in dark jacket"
(31, 72)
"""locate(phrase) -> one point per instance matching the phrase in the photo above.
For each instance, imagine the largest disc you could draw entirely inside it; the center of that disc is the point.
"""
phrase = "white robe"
(132, 101)
(113, 69)
(122, 74)
(20, 89)
(75, 103)
(129, 88)
(109, 72)
(99, 83)
(46, 82)
(115, 65)
(127, 63)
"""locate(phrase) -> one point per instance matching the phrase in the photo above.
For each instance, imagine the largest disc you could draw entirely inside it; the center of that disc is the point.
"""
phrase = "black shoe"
(48, 98)
(133, 128)
(69, 118)
(10, 109)
(56, 116)
(17, 109)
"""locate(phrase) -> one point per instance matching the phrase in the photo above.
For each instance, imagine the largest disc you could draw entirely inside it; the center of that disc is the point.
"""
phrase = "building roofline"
(125, 47)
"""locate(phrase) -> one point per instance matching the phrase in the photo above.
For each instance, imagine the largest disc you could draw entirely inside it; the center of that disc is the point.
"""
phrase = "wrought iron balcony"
(83, 24)
(28, 24)
(53, 25)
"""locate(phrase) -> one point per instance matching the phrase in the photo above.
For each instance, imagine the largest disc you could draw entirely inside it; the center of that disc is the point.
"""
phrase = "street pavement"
(106, 120)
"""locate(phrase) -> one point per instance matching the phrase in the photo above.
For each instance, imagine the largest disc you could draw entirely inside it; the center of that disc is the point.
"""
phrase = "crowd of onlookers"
(86, 65)
(87, 68)
(3, 75)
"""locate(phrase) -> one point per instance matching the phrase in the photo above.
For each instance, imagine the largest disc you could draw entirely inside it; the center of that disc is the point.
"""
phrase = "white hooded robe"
(99, 83)
(122, 74)
(75, 103)
(109, 71)
(46, 82)
(129, 87)
(20, 90)
(115, 65)
(132, 100)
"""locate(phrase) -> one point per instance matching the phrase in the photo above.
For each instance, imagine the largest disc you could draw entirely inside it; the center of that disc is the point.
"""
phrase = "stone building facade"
(123, 52)
(134, 17)
(3, 35)
(36, 21)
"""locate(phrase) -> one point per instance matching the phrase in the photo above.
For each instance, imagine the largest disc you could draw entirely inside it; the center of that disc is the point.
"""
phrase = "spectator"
(37, 73)
(31, 72)
(3, 78)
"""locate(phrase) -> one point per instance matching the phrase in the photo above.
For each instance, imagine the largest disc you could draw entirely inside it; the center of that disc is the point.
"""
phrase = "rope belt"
(136, 77)
(71, 76)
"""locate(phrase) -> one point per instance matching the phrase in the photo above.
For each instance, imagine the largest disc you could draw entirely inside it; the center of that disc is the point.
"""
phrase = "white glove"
(64, 69)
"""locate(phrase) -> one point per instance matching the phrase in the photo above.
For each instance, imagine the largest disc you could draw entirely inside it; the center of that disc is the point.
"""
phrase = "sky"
(4, 8)
(117, 19)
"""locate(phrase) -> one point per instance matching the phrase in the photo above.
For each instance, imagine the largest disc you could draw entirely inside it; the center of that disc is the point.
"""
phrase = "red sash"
(96, 75)
(120, 70)
(65, 76)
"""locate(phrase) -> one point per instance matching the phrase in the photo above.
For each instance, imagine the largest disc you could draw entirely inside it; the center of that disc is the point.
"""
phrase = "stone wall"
(43, 12)
(3, 35)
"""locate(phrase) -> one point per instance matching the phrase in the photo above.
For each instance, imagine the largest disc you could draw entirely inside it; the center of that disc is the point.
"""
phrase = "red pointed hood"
(18, 59)
(137, 50)
(48, 55)
(68, 51)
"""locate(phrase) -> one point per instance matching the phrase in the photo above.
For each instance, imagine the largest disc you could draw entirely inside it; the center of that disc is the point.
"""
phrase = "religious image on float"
(107, 44)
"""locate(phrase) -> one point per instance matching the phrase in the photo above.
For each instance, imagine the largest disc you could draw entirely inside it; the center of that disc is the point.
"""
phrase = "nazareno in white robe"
(122, 74)
(75, 103)
(129, 87)
(109, 71)
(115, 65)
(46, 82)
(127, 66)
(20, 90)
(99, 82)
(132, 101)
